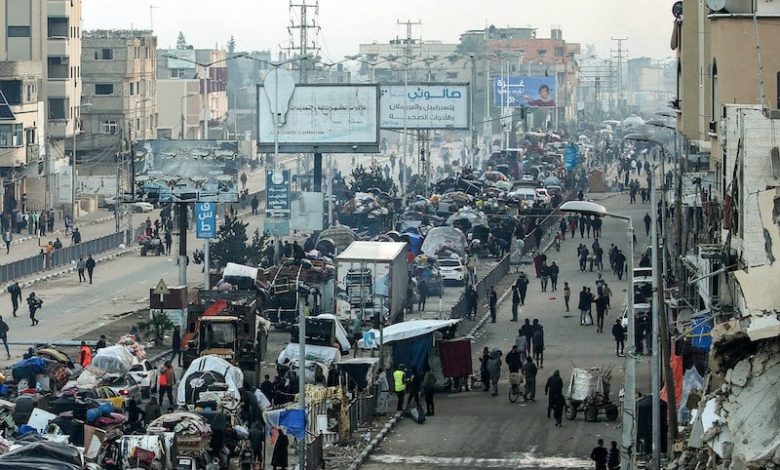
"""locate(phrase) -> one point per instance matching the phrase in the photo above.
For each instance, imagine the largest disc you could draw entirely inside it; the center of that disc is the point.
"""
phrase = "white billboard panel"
(322, 118)
(427, 106)
(185, 58)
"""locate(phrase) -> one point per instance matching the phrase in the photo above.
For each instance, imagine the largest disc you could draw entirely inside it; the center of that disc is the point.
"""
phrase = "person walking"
(279, 457)
(493, 301)
(414, 390)
(90, 264)
(101, 343)
(8, 238)
(515, 302)
(566, 294)
(254, 203)
(81, 265)
(529, 373)
(399, 383)
(4, 336)
(522, 286)
(166, 382)
(648, 220)
(422, 290)
(514, 361)
(583, 222)
(553, 271)
(34, 303)
(75, 238)
(484, 375)
(620, 264)
(494, 369)
(16, 295)
(608, 295)
(383, 388)
(601, 310)
(620, 337)
(552, 389)
(599, 455)
(613, 457)
(85, 355)
(168, 240)
(583, 305)
(537, 341)
(472, 298)
(429, 385)
(176, 345)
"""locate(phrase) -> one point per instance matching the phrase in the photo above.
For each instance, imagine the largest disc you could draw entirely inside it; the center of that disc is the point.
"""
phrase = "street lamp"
(305, 264)
(629, 379)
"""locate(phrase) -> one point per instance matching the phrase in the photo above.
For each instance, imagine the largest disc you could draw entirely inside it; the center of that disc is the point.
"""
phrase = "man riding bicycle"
(514, 362)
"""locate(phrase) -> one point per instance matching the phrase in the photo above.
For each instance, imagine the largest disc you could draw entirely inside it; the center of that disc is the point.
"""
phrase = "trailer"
(375, 277)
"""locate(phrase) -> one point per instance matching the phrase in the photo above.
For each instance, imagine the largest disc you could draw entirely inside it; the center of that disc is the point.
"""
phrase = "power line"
(304, 47)
(619, 55)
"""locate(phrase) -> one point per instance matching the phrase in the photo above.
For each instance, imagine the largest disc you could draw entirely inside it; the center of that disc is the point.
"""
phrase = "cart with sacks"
(588, 392)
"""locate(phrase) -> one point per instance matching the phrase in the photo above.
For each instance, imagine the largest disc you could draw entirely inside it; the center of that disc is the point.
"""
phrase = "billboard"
(205, 220)
(424, 106)
(184, 60)
(528, 92)
(322, 118)
(185, 170)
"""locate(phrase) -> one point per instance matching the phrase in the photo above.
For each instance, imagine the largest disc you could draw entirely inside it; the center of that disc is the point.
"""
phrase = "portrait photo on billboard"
(185, 171)
(528, 92)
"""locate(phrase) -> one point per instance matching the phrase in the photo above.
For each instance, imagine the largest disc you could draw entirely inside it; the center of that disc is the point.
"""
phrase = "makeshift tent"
(43, 455)
(455, 355)
(411, 329)
(444, 238)
(413, 353)
(323, 354)
(360, 370)
(233, 376)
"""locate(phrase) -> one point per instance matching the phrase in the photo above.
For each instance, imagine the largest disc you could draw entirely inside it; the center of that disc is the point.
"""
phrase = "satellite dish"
(716, 5)
(677, 9)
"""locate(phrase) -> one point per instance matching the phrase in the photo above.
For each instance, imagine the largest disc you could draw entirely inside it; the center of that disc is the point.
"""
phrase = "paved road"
(476, 430)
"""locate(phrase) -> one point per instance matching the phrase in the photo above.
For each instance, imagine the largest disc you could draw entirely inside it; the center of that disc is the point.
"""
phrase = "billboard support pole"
(317, 183)
(206, 264)
(182, 243)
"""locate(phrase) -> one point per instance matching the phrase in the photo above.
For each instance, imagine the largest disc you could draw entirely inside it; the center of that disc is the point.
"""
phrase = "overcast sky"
(262, 24)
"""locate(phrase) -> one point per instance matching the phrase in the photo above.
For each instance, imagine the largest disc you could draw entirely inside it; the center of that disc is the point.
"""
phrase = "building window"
(31, 136)
(12, 90)
(104, 89)
(18, 31)
(104, 54)
(559, 52)
(57, 108)
(137, 124)
(177, 73)
(108, 127)
(11, 135)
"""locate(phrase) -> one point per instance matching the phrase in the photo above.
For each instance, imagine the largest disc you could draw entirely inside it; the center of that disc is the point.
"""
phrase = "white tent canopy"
(234, 378)
(411, 329)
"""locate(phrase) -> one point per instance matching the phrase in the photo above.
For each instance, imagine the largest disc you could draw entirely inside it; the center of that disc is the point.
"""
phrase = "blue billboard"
(206, 220)
(524, 92)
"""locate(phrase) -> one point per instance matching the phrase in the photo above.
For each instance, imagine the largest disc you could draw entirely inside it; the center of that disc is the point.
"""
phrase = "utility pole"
(307, 43)
(619, 54)
(407, 60)
(472, 102)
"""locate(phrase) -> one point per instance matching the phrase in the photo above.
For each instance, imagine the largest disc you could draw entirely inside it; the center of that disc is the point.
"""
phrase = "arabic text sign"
(572, 156)
(185, 170)
(529, 92)
(277, 193)
(322, 118)
(424, 106)
(206, 220)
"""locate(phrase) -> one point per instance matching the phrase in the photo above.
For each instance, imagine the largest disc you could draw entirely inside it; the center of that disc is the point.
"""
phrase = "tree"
(181, 41)
(231, 244)
(157, 326)
(364, 180)
(257, 247)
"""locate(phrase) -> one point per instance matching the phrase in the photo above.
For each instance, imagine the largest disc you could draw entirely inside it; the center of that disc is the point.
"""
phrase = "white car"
(145, 374)
(139, 206)
(639, 309)
(542, 196)
(452, 269)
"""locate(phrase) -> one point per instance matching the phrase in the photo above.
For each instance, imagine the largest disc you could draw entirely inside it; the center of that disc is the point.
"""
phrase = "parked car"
(140, 206)
(452, 269)
(124, 386)
(146, 375)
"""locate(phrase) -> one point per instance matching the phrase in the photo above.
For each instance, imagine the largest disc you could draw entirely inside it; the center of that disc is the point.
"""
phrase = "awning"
(412, 329)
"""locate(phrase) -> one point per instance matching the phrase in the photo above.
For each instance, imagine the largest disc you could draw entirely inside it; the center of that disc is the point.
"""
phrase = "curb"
(374, 442)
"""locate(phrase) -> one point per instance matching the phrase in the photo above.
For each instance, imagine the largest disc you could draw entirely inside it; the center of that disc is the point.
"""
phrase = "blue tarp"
(413, 352)
(37, 364)
(701, 336)
(292, 421)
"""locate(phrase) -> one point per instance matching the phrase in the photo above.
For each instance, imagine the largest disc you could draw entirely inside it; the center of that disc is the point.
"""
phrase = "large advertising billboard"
(322, 118)
(424, 106)
(524, 92)
(185, 170)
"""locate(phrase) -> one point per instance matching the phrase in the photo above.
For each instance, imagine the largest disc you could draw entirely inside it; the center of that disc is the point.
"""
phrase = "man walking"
(537, 341)
(583, 305)
(81, 265)
(176, 345)
(399, 383)
(522, 286)
(7, 238)
(33, 303)
(599, 455)
(384, 390)
(75, 238)
(515, 302)
(529, 372)
(166, 381)
(553, 389)
(553, 271)
(422, 290)
(648, 220)
(4, 336)
(472, 298)
(601, 310)
(90, 264)
(493, 301)
(620, 337)
(620, 264)
(254, 203)
(566, 294)
(494, 370)
(429, 384)
(16, 295)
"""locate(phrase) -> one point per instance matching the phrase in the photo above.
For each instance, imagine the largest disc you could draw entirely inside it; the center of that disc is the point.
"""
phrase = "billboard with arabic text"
(424, 106)
(524, 92)
(322, 118)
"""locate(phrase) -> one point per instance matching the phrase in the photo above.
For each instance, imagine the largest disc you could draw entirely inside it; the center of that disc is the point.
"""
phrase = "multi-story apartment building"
(63, 46)
(120, 81)
(22, 104)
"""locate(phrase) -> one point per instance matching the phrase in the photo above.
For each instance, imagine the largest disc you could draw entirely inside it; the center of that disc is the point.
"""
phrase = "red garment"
(677, 369)
(455, 357)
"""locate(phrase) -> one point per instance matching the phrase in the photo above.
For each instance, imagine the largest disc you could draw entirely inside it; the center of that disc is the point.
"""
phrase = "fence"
(58, 258)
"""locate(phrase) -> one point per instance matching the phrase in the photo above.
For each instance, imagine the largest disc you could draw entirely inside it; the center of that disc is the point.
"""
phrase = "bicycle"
(515, 381)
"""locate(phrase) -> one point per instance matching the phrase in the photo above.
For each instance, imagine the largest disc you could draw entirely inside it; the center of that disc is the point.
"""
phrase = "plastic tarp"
(43, 455)
(701, 336)
(239, 270)
(113, 360)
(233, 376)
(323, 354)
(413, 353)
(292, 421)
(692, 380)
(455, 357)
(361, 370)
(411, 329)
(584, 383)
(439, 238)
(341, 333)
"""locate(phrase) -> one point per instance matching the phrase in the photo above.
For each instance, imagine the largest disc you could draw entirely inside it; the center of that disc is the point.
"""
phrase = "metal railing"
(58, 258)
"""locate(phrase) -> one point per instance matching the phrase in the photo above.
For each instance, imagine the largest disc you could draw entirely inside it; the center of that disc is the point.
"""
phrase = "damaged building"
(734, 412)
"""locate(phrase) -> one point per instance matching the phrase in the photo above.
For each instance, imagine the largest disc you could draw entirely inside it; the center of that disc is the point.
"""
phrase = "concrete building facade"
(122, 90)
(63, 86)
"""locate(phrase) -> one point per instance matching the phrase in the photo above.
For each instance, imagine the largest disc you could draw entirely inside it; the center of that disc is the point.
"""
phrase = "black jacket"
(554, 386)
(513, 361)
(618, 333)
